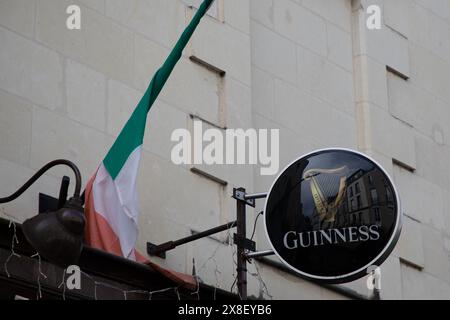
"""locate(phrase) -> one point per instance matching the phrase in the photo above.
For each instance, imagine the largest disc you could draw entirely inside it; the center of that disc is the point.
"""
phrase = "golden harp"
(327, 184)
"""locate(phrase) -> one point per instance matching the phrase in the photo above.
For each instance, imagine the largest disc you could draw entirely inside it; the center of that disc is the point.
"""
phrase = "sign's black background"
(290, 207)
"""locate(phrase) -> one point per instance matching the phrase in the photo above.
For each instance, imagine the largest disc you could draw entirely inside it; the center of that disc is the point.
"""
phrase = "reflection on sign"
(331, 214)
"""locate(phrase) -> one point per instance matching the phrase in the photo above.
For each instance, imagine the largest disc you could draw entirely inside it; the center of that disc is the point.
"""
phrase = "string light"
(197, 291)
(63, 284)
(212, 258)
(14, 241)
(257, 274)
(40, 274)
(216, 267)
(233, 258)
(97, 284)
(262, 284)
(125, 293)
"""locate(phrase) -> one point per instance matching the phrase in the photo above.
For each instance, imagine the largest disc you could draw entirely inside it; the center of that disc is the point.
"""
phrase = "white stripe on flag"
(117, 201)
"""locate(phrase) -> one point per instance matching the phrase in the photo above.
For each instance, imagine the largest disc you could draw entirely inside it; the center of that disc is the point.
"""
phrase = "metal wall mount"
(245, 247)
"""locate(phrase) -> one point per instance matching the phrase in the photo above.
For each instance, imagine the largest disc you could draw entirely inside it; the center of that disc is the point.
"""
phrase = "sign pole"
(241, 255)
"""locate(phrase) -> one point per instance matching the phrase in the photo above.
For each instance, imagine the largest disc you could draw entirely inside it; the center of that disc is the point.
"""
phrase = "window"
(370, 179)
(377, 215)
(351, 191)
(374, 195)
(358, 202)
(357, 190)
(388, 194)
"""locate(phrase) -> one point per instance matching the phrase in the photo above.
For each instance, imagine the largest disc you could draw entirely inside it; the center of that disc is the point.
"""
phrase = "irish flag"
(111, 205)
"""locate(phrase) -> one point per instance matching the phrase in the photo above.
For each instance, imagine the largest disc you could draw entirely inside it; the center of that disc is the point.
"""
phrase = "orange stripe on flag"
(99, 235)
(98, 231)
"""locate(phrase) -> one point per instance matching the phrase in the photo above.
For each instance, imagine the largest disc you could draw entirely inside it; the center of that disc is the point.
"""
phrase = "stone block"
(338, 12)
(325, 80)
(429, 206)
(273, 53)
(18, 15)
(101, 43)
(397, 15)
(390, 48)
(419, 285)
(339, 47)
(392, 137)
(262, 11)
(167, 191)
(30, 70)
(86, 95)
(150, 18)
(236, 63)
(301, 26)
(410, 246)
(411, 104)
(237, 14)
(15, 129)
(437, 259)
(57, 137)
(98, 5)
(430, 72)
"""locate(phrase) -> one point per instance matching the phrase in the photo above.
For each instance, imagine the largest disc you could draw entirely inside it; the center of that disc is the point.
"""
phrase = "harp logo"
(327, 209)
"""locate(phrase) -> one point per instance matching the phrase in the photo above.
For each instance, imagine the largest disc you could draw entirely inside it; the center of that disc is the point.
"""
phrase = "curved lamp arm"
(41, 171)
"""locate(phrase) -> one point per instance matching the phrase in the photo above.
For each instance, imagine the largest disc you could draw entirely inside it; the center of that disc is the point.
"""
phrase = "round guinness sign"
(332, 214)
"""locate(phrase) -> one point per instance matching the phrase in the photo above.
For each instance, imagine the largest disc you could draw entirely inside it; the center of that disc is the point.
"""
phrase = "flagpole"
(135, 126)
(161, 76)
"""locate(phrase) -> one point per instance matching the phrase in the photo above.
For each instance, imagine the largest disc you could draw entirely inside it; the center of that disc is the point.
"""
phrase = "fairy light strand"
(197, 291)
(40, 275)
(257, 274)
(212, 258)
(262, 283)
(14, 241)
(63, 284)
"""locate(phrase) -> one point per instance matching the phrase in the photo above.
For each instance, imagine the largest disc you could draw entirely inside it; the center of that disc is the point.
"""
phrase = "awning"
(103, 276)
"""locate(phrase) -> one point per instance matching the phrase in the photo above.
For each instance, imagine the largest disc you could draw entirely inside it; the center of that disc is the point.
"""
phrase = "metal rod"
(256, 196)
(156, 250)
(63, 191)
(43, 170)
(241, 256)
(205, 233)
(260, 254)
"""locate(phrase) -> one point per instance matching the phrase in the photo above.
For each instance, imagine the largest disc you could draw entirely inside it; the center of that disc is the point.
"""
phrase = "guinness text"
(293, 240)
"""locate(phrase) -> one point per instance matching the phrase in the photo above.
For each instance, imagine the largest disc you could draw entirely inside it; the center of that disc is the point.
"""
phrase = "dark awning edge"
(103, 267)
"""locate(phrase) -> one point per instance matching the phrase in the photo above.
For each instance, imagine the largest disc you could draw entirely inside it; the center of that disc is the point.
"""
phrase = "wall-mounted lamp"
(57, 236)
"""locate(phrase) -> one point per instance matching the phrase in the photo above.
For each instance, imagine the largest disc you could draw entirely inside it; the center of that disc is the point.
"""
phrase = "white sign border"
(376, 261)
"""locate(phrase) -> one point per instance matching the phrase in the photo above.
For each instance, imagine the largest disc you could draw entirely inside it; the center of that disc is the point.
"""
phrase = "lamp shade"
(58, 236)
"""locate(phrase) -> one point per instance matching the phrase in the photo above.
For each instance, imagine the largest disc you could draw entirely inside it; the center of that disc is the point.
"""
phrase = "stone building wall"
(310, 68)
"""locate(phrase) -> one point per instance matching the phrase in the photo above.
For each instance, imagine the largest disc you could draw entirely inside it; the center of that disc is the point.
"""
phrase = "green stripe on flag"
(132, 135)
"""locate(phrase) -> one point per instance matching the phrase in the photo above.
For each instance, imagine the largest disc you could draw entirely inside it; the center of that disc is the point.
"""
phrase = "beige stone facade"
(310, 68)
